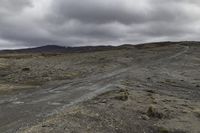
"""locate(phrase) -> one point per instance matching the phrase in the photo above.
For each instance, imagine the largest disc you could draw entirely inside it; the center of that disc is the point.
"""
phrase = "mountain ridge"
(63, 49)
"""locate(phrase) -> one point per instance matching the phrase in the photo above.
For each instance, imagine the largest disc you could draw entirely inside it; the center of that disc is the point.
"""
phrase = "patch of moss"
(71, 75)
(163, 130)
(26, 69)
(123, 95)
(150, 91)
(169, 81)
(153, 112)
(197, 112)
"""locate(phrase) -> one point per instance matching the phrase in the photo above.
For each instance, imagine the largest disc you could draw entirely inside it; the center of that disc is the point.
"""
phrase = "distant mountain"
(62, 49)
(47, 48)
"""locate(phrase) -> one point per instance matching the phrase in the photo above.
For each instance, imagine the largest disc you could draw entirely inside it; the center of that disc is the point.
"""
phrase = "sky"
(31, 23)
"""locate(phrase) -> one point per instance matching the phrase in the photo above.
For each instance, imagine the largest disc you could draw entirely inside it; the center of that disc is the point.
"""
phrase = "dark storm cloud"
(14, 5)
(95, 22)
(126, 12)
(9, 6)
(90, 11)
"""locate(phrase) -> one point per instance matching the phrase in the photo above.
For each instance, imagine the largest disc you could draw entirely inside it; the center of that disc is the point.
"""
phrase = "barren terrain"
(151, 88)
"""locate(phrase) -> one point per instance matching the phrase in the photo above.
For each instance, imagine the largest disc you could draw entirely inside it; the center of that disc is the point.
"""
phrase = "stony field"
(145, 89)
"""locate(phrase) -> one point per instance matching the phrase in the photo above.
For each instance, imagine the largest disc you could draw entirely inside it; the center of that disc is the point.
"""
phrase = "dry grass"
(123, 95)
(7, 88)
(3, 65)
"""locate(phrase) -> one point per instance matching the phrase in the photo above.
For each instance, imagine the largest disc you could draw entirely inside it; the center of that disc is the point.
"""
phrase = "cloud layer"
(27, 23)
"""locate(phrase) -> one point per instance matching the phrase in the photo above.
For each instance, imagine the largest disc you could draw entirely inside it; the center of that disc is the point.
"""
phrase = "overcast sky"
(28, 23)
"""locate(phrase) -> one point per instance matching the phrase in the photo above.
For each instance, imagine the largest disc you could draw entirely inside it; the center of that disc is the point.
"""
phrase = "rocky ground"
(126, 111)
(151, 88)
